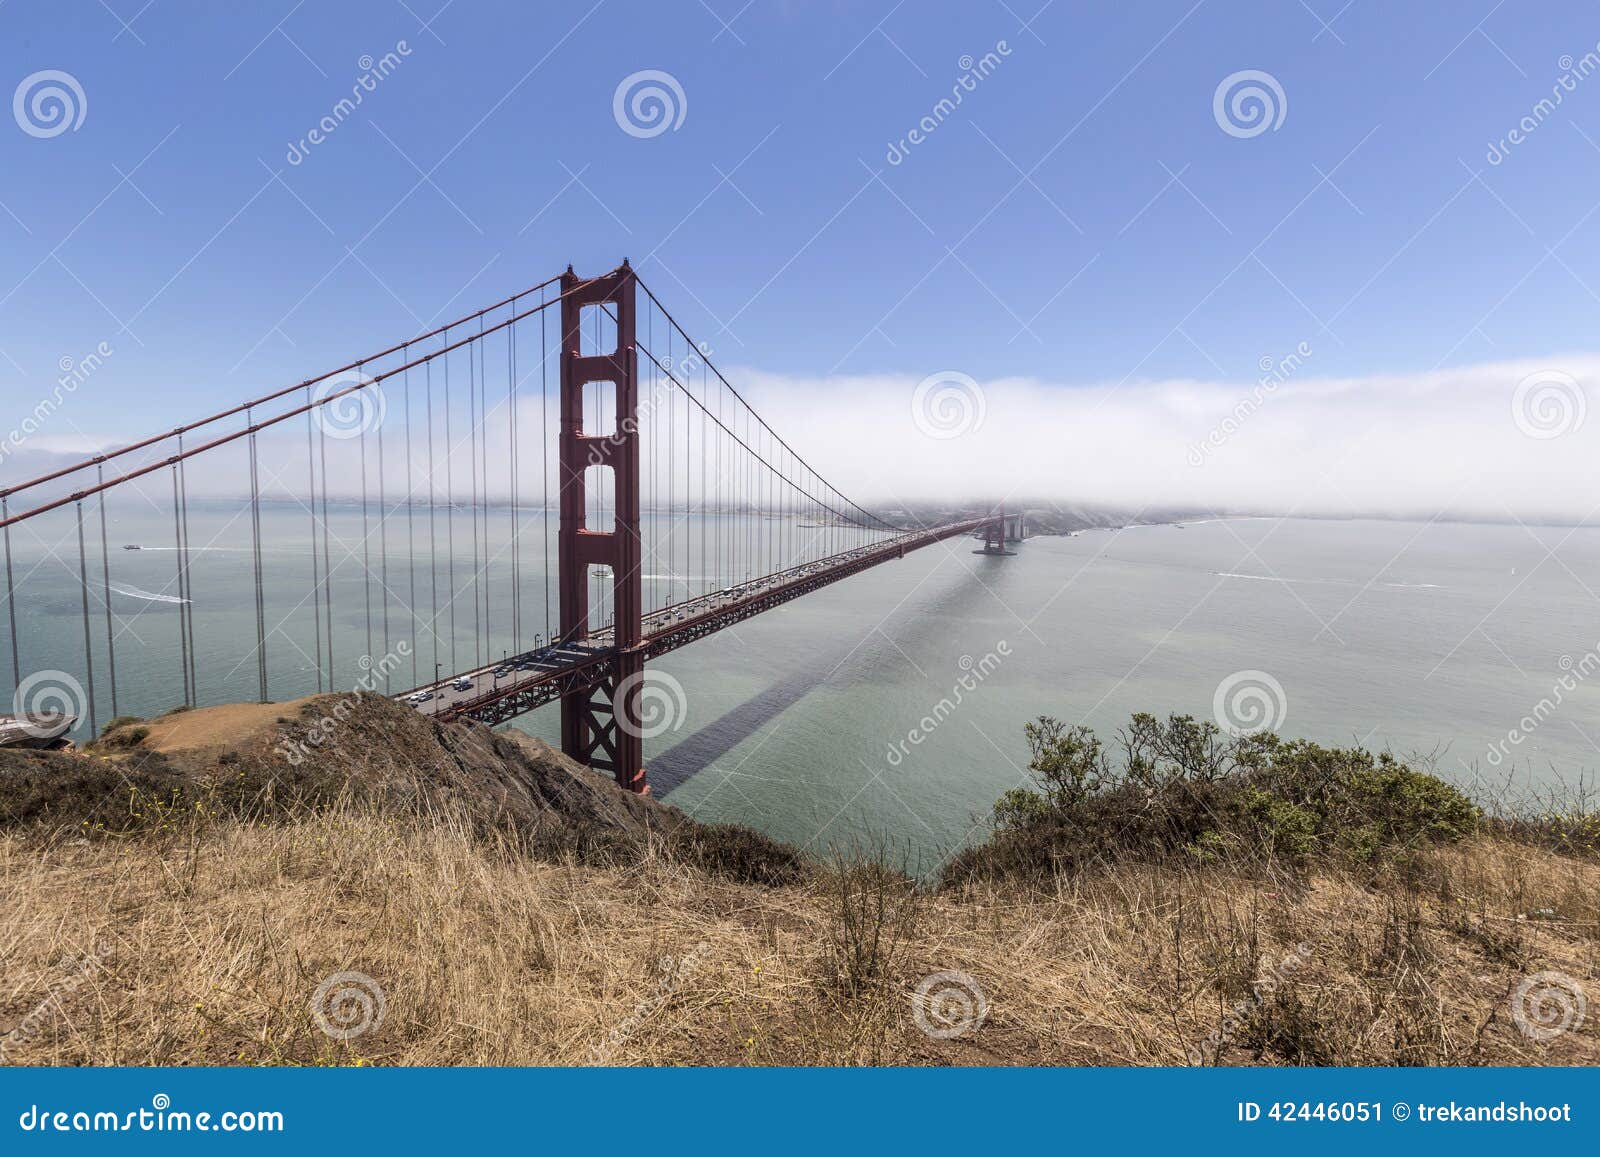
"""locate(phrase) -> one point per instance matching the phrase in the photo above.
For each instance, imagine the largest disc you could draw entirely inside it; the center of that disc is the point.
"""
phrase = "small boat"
(132, 546)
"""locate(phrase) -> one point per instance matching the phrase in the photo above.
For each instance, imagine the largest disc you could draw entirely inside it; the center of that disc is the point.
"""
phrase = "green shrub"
(1019, 808)
(1184, 787)
(733, 852)
(124, 737)
(1410, 806)
(119, 721)
(1283, 830)
(1068, 762)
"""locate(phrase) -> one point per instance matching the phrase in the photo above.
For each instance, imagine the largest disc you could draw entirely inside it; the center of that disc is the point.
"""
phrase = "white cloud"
(1394, 444)
(1402, 444)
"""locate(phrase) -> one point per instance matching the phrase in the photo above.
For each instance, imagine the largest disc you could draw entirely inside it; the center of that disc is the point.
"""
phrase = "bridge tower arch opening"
(594, 720)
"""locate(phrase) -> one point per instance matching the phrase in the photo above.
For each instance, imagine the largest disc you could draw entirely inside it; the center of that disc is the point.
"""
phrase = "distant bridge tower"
(595, 728)
(994, 533)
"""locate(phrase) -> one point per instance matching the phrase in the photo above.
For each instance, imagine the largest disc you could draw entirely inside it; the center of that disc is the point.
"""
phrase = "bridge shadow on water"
(854, 663)
(676, 766)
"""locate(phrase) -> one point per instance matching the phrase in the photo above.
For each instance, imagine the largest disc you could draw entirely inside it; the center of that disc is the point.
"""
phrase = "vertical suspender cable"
(186, 617)
(105, 577)
(11, 601)
(383, 538)
(705, 525)
(327, 557)
(449, 510)
(655, 513)
(672, 509)
(725, 490)
(366, 531)
(311, 508)
(177, 554)
(255, 550)
(88, 654)
(484, 464)
(411, 530)
(749, 501)
(544, 456)
(184, 576)
(472, 467)
(433, 546)
(516, 513)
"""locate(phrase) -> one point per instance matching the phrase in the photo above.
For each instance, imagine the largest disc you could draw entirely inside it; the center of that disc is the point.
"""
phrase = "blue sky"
(1082, 217)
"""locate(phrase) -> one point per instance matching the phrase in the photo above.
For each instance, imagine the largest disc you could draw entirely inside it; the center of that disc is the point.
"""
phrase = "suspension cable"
(223, 440)
(668, 315)
(242, 407)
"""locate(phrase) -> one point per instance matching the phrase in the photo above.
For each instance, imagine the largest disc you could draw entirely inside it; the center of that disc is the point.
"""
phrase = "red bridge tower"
(595, 722)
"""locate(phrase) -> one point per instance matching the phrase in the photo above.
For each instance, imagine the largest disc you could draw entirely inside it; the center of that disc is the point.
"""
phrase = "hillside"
(183, 893)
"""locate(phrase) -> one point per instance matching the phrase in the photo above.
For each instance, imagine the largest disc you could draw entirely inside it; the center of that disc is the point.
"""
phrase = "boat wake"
(1267, 578)
(148, 596)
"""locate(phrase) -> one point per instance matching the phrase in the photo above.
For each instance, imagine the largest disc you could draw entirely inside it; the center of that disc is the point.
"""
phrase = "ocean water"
(890, 706)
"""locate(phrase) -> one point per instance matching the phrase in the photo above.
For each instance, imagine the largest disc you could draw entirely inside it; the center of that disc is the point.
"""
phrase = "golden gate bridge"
(679, 513)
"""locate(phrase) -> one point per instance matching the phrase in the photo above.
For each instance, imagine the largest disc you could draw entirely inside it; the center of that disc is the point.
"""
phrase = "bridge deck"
(540, 677)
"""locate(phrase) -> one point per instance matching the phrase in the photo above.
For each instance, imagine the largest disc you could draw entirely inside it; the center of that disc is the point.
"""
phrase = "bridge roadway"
(538, 677)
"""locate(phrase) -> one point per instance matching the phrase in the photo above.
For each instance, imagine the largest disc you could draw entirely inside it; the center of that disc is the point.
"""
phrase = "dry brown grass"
(217, 935)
